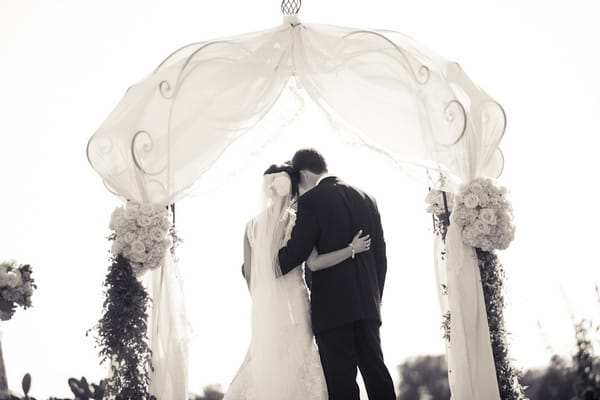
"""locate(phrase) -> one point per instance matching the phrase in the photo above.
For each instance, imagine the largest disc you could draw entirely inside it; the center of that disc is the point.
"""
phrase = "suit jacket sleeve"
(303, 239)
(379, 249)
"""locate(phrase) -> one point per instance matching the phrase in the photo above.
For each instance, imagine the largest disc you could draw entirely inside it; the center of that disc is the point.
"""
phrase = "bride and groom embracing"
(334, 230)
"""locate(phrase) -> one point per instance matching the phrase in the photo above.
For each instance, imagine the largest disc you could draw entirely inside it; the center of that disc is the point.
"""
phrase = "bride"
(283, 360)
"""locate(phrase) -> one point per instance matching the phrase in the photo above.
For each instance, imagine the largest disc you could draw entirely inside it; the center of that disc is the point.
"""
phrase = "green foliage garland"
(492, 281)
(122, 333)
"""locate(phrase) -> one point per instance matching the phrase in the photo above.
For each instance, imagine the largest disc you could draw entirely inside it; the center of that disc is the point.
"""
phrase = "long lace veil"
(272, 348)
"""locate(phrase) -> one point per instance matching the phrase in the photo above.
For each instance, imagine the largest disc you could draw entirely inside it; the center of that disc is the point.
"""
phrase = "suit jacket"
(328, 217)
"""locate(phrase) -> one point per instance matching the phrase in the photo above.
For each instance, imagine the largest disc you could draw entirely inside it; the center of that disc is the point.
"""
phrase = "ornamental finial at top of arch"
(290, 7)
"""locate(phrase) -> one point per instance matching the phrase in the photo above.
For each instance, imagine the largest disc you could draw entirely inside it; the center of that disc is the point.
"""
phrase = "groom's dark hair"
(309, 159)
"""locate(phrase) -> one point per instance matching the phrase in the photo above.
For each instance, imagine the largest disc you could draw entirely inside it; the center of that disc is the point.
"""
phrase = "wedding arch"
(396, 95)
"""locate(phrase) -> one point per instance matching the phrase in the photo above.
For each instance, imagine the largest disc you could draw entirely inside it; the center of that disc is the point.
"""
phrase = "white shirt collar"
(323, 177)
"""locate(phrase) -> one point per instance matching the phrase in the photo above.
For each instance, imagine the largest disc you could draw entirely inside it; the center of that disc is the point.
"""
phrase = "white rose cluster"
(435, 202)
(141, 234)
(16, 288)
(484, 214)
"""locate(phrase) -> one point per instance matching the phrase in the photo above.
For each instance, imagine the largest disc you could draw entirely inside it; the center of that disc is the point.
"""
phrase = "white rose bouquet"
(435, 202)
(16, 288)
(141, 234)
(484, 215)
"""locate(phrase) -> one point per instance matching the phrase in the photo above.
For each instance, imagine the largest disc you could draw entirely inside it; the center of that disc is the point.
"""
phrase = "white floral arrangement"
(141, 234)
(484, 215)
(435, 202)
(16, 288)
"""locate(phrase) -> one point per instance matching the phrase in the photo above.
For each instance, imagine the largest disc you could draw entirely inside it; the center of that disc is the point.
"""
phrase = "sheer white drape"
(168, 332)
(171, 127)
(397, 95)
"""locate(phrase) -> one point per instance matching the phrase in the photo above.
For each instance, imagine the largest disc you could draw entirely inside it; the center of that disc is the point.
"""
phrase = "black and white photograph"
(299, 200)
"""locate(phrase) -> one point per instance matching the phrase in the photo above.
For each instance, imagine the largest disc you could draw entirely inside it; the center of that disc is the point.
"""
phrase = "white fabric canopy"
(171, 127)
(396, 95)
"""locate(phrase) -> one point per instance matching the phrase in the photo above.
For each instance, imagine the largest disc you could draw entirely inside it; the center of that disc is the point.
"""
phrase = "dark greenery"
(556, 382)
(85, 391)
(492, 281)
(586, 364)
(440, 224)
(446, 326)
(212, 392)
(424, 377)
(122, 333)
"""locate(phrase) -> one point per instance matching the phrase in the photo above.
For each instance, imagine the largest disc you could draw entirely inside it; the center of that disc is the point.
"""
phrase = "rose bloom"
(148, 243)
(157, 234)
(147, 209)
(469, 233)
(136, 267)
(128, 237)
(132, 211)
(13, 279)
(143, 233)
(115, 218)
(484, 199)
(471, 200)
(460, 216)
(138, 257)
(486, 244)
(144, 220)
(481, 227)
(488, 215)
(116, 247)
(476, 187)
(165, 223)
(137, 246)
(156, 220)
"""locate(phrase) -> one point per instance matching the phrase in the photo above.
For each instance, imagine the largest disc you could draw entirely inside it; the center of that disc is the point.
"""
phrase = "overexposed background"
(65, 65)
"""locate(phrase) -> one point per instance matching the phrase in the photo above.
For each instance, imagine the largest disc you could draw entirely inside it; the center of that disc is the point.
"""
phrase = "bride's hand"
(361, 244)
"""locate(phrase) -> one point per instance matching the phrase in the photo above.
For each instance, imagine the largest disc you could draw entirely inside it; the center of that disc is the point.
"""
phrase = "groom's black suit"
(346, 298)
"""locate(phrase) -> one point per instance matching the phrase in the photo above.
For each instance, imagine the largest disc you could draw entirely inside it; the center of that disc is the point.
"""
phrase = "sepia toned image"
(300, 200)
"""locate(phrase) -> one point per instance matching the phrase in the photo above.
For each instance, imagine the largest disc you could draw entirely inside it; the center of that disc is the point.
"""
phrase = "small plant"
(26, 386)
(84, 391)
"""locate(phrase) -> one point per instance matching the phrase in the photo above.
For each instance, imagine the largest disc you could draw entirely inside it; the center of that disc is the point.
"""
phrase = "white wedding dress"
(283, 361)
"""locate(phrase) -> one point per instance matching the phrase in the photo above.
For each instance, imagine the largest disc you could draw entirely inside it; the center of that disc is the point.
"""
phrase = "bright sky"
(65, 65)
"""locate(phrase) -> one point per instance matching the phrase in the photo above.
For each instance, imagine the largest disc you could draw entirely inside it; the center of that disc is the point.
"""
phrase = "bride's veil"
(272, 345)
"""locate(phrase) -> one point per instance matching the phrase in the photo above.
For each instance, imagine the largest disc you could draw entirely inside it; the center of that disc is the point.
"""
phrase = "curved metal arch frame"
(424, 71)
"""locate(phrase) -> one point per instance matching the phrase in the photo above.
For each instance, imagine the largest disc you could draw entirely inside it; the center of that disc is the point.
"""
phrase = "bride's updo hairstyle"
(287, 168)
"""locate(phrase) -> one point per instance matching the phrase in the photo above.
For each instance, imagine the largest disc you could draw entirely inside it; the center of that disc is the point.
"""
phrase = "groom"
(345, 299)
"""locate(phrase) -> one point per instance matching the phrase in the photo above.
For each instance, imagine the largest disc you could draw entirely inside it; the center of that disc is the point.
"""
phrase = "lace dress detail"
(304, 362)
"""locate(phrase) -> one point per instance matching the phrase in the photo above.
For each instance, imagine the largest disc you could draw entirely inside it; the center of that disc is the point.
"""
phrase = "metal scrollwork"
(143, 142)
(164, 88)
(488, 109)
(423, 73)
(454, 110)
(169, 91)
(104, 147)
